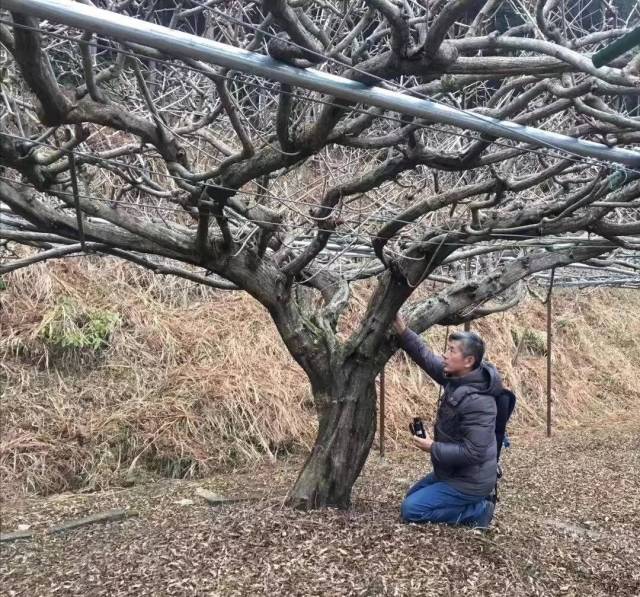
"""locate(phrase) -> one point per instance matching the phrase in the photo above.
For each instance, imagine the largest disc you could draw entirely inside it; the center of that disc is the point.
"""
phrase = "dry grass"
(193, 381)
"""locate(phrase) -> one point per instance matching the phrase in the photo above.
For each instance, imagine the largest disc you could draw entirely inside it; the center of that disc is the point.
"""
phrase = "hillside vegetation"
(109, 375)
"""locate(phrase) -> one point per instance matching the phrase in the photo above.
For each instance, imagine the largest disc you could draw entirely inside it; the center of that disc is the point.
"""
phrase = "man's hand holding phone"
(424, 443)
(419, 435)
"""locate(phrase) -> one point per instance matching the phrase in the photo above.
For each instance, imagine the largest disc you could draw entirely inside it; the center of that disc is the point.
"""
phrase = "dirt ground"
(568, 523)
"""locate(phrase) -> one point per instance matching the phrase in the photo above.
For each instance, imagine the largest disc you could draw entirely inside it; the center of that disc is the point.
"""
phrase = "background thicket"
(110, 375)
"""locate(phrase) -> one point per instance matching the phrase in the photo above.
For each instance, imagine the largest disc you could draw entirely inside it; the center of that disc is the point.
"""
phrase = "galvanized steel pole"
(185, 45)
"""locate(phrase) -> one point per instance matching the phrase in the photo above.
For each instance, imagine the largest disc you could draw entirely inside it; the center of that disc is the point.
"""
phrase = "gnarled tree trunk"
(347, 423)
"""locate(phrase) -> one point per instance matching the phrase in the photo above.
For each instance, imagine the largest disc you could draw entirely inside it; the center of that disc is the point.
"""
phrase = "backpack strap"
(459, 394)
(505, 405)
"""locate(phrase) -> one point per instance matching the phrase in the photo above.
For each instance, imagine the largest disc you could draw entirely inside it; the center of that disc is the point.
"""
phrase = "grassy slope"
(195, 381)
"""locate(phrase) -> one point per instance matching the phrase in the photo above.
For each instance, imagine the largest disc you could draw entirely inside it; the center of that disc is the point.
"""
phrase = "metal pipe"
(185, 45)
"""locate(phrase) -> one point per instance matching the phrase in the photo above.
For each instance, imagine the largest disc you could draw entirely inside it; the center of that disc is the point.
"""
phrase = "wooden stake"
(467, 324)
(382, 413)
(549, 347)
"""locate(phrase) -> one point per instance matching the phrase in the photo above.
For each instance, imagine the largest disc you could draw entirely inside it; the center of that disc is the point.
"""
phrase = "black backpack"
(505, 403)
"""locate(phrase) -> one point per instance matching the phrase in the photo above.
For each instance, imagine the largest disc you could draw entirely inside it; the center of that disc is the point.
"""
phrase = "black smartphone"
(417, 428)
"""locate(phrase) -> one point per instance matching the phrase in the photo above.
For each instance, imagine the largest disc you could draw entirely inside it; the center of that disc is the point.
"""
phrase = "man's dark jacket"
(464, 450)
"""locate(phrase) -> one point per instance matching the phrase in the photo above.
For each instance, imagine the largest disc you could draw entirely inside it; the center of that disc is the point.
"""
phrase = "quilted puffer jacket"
(464, 452)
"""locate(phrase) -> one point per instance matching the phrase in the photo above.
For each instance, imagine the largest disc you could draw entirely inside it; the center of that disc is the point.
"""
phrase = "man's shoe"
(487, 516)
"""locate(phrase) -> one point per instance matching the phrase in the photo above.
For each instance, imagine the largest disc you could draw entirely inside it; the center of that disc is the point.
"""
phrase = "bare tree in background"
(240, 183)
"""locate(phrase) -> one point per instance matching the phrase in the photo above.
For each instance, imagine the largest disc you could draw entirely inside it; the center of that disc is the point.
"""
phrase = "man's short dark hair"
(471, 345)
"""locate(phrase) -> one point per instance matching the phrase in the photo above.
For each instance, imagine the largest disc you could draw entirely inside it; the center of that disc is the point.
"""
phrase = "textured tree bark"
(347, 425)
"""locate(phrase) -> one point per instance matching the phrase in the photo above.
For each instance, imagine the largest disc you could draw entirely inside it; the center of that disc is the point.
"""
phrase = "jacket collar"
(458, 387)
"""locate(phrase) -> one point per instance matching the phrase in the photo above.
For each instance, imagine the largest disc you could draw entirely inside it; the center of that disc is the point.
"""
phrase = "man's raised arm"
(419, 351)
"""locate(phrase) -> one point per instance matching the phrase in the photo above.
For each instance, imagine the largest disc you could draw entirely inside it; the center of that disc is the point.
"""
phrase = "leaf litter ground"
(568, 523)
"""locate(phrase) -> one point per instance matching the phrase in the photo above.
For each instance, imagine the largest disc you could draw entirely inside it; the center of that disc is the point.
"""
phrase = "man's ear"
(469, 361)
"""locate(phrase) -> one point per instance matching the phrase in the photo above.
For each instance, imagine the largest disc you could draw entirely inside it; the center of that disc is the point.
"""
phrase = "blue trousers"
(430, 500)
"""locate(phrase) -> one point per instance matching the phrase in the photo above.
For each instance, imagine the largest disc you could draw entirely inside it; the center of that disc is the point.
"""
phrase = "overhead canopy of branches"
(237, 182)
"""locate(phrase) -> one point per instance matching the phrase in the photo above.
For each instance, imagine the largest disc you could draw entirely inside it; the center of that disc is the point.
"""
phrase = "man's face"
(455, 363)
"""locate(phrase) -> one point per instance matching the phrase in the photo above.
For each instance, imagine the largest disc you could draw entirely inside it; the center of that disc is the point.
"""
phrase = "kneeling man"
(463, 450)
